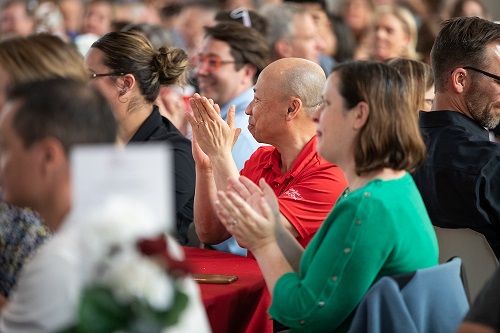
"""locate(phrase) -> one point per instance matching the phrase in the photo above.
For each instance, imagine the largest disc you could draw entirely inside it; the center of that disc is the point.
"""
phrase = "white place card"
(142, 174)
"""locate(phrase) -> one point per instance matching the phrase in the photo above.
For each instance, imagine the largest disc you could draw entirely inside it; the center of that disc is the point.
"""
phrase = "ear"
(459, 80)
(294, 106)
(164, 91)
(125, 83)
(407, 40)
(249, 72)
(53, 158)
(361, 113)
(283, 48)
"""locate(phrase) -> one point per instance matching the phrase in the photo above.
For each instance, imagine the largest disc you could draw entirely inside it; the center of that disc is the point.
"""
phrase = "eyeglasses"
(93, 76)
(212, 62)
(493, 76)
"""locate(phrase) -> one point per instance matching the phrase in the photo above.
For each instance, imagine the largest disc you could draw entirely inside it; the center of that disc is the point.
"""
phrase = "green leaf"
(172, 315)
(99, 312)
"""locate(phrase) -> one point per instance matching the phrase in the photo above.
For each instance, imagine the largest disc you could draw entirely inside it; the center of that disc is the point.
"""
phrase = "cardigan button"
(367, 194)
(347, 250)
(302, 322)
(321, 304)
(334, 278)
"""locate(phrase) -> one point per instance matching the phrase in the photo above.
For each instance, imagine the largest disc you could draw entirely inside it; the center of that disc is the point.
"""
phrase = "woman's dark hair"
(391, 137)
(132, 53)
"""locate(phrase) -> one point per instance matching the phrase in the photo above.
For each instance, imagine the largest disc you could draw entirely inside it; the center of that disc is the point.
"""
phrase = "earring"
(124, 90)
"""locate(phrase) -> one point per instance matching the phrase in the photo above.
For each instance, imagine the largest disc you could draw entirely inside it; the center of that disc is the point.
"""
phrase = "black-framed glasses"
(93, 76)
(493, 76)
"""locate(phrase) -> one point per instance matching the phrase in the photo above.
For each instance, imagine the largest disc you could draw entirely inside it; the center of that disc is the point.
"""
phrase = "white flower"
(132, 276)
(120, 221)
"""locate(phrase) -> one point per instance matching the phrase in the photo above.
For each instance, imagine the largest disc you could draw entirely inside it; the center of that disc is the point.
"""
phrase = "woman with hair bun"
(129, 72)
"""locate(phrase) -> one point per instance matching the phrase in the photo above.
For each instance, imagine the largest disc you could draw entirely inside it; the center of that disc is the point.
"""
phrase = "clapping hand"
(249, 212)
(213, 135)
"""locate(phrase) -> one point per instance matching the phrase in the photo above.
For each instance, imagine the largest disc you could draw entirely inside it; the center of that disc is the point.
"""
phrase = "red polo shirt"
(307, 193)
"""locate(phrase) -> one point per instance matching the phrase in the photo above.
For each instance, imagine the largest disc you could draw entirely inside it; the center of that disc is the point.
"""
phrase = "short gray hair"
(280, 20)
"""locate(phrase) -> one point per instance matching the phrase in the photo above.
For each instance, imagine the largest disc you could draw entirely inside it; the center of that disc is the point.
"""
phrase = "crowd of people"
(323, 140)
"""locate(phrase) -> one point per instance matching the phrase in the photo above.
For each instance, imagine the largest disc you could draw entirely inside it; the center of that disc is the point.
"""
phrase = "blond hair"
(409, 25)
(418, 77)
(40, 57)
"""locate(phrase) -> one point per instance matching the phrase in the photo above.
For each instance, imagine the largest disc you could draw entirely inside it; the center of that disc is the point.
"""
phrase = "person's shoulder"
(385, 194)
(452, 124)
(263, 151)
(445, 118)
(387, 203)
(260, 159)
(55, 263)
(169, 133)
(21, 229)
(63, 244)
(47, 290)
(453, 130)
(169, 130)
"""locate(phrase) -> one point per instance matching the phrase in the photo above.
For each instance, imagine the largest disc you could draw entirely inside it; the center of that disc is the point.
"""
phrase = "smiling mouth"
(204, 84)
(205, 81)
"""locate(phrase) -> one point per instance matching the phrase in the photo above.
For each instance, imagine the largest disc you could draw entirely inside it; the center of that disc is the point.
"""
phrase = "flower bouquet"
(132, 284)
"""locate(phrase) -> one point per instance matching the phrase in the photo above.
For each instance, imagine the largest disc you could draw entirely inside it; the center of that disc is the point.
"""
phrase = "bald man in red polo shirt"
(286, 94)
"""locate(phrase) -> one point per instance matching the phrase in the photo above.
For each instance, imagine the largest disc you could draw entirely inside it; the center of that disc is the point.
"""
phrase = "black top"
(460, 180)
(158, 128)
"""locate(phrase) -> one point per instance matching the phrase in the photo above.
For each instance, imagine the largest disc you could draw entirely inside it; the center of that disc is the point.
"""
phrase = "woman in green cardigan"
(378, 227)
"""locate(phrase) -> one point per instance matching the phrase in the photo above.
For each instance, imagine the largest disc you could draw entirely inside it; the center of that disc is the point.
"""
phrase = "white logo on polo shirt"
(294, 194)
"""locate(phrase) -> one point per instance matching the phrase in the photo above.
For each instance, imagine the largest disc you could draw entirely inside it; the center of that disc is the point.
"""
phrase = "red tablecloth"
(237, 307)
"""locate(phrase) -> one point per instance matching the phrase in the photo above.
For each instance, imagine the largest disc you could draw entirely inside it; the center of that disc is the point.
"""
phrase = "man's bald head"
(296, 77)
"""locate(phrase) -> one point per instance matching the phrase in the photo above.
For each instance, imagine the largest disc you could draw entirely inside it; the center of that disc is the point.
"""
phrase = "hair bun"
(170, 64)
